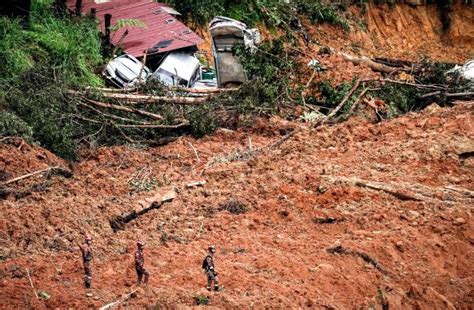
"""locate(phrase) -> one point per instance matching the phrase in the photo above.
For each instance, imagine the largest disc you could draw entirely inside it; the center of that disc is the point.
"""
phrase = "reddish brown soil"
(403, 32)
(275, 254)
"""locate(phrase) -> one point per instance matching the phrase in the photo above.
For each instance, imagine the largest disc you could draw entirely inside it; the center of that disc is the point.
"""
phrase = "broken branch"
(31, 283)
(54, 170)
(195, 151)
(119, 301)
(339, 249)
(334, 111)
(124, 109)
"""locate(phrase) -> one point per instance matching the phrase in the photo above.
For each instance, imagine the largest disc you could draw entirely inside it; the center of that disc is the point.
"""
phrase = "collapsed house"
(146, 30)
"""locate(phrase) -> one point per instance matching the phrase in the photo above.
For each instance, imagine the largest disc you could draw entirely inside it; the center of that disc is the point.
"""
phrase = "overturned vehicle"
(226, 34)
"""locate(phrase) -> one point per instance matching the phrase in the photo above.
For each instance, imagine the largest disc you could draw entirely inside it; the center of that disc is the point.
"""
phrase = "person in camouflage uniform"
(209, 269)
(86, 250)
(142, 273)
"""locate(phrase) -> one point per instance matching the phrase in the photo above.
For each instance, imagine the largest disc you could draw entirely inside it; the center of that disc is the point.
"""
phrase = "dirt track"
(275, 254)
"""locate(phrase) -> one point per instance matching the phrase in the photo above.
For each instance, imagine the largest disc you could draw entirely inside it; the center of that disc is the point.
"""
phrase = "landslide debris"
(274, 254)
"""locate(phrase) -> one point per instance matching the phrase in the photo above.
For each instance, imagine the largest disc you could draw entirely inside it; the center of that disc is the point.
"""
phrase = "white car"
(179, 69)
(226, 34)
(124, 71)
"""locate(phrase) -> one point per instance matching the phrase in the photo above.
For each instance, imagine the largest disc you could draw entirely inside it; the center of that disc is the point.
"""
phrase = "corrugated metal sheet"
(160, 25)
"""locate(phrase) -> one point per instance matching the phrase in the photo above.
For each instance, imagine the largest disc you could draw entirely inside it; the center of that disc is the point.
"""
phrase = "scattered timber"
(195, 184)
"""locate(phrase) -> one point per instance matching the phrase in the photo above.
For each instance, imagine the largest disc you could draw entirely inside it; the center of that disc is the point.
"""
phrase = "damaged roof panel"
(160, 25)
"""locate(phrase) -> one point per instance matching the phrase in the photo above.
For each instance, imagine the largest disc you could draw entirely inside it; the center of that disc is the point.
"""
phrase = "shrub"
(12, 125)
(203, 120)
(202, 300)
(40, 101)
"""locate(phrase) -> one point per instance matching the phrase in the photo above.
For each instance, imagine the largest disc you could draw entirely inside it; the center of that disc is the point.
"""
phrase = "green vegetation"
(269, 72)
(71, 47)
(272, 13)
(39, 63)
(57, 53)
(202, 300)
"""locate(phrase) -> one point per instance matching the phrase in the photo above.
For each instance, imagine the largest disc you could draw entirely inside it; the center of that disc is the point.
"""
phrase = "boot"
(216, 288)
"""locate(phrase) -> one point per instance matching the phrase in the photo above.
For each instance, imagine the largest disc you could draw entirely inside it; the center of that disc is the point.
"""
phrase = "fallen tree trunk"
(156, 99)
(123, 108)
(369, 63)
(407, 191)
(147, 98)
(142, 207)
(50, 170)
(178, 89)
(204, 90)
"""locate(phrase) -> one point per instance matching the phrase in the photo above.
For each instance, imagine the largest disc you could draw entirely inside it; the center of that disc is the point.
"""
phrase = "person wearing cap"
(142, 273)
(86, 250)
(209, 269)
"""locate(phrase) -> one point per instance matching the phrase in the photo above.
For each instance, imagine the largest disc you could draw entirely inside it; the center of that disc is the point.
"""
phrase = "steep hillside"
(301, 200)
(364, 214)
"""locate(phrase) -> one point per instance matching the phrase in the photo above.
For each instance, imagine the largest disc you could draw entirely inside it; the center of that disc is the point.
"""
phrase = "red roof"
(160, 25)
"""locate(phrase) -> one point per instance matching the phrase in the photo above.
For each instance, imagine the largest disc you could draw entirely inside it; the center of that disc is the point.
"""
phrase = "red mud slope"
(403, 32)
(413, 241)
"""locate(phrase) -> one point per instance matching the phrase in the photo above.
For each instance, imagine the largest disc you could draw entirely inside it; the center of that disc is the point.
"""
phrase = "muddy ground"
(393, 201)
(414, 242)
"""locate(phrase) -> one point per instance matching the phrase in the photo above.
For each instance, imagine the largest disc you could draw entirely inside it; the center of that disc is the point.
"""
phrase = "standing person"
(86, 250)
(142, 273)
(209, 269)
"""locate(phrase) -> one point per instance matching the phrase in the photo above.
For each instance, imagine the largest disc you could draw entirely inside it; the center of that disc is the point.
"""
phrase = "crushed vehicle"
(226, 34)
(126, 71)
(179, 69)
